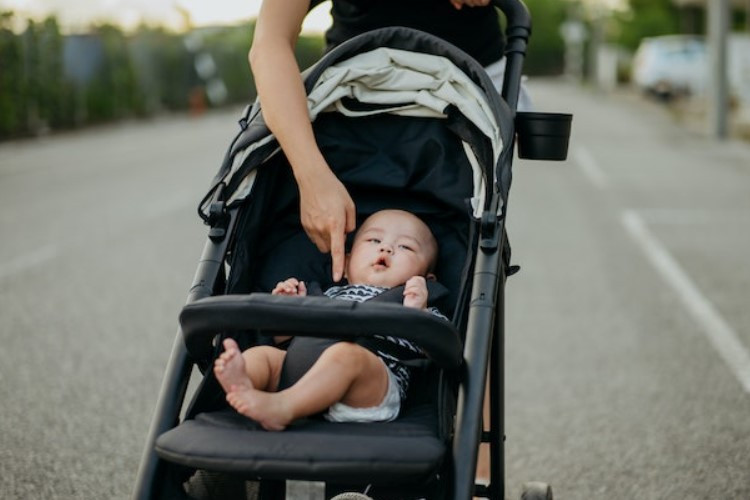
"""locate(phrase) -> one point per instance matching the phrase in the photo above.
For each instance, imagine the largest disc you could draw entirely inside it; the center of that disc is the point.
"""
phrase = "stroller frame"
(486, 314)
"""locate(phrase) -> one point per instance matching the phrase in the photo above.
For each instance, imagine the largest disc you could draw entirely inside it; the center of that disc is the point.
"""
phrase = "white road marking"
(590, 168)
(28, 261)
(719, 333)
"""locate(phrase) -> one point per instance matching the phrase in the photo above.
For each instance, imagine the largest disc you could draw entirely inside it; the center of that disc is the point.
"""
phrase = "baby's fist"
(415, 292)
(291, 286)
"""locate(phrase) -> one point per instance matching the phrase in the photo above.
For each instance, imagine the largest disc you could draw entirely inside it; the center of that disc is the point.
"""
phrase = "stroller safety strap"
(319, 317)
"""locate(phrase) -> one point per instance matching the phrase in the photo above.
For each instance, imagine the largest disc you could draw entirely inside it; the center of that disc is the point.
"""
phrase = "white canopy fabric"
(404, 83)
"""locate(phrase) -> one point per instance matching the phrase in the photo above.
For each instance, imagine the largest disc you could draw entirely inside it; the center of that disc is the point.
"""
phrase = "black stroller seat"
(439, 145)
(410, 450)
(390, 453)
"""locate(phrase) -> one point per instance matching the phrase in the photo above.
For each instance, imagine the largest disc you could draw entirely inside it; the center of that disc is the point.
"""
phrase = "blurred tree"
(163, 67)
(546, 46)
(646, 18)
(309, 49)
(229, 47)
(114, 92)
(12, 94)
(54, 95)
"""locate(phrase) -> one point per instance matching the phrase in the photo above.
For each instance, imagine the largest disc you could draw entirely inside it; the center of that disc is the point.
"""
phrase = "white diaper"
(386, 411)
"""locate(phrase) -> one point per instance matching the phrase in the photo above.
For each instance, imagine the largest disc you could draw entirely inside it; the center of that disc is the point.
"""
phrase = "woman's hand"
(415, 293)
(327, 213)
(470, 3)
(326, 209)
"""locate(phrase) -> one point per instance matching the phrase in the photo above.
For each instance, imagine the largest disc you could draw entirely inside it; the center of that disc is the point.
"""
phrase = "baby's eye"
(374, 240)
(406, 247)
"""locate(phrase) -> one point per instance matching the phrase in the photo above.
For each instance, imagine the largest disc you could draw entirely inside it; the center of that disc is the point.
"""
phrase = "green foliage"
(229, 48)
(546, 46)
(130, 75)
(308, 50)
(153, 70)
(162, 67)
(34, 94)
(114, 92)
(646, 18)
(12, 91)
(51, 92)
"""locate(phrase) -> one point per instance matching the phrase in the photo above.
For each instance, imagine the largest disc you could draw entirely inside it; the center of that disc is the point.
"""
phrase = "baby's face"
(390, 247)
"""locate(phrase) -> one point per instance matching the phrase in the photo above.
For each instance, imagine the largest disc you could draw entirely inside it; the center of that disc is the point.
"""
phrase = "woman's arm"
(326, 209)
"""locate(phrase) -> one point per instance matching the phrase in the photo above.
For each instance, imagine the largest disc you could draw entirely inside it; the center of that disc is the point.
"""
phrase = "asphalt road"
(100, 240)
(628, 374)
(627, 328)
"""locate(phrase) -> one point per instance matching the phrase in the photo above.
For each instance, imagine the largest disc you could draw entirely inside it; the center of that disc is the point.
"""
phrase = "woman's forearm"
(327, 211)
(279, 84)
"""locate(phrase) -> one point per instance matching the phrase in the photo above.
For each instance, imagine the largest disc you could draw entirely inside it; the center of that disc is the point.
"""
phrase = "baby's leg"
(258, 367)
(345, 372)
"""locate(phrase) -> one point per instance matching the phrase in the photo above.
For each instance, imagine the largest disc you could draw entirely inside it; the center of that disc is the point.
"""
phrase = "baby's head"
(390, 247)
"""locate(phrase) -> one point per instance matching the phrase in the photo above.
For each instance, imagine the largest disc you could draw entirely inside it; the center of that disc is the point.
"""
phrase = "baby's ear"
(431, 277)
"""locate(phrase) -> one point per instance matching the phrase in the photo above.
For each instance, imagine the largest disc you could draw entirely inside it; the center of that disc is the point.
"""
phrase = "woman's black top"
(475, 30)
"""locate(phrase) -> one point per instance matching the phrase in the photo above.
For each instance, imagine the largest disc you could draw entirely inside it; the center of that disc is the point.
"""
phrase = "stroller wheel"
(536, 491)
(351, 496)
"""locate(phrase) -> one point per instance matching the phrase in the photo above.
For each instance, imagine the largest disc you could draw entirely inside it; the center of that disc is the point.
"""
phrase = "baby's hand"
(292, 287)
(415, 293)
(471, 3)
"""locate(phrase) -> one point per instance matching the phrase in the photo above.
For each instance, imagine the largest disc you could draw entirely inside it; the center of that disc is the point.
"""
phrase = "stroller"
(444, 136)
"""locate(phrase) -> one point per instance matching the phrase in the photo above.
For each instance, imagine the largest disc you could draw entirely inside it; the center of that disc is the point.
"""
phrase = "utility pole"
(718, 92)
(596, 39)
(574, 33)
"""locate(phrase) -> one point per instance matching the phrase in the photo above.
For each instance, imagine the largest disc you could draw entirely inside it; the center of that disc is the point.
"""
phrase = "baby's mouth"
(381, 262)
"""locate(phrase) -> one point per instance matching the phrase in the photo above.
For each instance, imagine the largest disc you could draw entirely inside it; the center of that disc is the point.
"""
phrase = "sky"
(74, 14)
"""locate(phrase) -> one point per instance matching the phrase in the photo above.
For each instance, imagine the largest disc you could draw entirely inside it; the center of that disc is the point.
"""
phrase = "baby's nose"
(386, 248)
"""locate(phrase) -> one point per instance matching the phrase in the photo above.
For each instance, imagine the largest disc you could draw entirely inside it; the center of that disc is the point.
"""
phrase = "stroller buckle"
(218, 220)
(489, 240)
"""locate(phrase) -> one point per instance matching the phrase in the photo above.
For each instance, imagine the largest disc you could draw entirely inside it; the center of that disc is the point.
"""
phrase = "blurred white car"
(671, 65)
(674, 65)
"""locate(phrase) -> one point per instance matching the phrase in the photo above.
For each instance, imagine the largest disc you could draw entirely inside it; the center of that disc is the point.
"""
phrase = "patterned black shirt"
(361, 293)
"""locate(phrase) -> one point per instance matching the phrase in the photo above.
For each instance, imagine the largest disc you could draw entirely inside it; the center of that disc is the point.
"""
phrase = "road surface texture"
(628, 375)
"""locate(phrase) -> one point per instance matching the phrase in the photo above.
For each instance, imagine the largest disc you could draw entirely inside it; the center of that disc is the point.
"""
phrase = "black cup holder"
(543, 136)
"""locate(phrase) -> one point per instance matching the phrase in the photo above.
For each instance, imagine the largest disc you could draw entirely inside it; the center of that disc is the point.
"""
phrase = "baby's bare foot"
(270, 410)
(229, 368)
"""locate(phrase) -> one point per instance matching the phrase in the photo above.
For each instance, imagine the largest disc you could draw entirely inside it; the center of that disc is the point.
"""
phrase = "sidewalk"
(688, 113)
(686, 120)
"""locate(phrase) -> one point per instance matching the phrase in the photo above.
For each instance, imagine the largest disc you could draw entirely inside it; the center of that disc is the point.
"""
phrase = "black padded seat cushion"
(406, 450)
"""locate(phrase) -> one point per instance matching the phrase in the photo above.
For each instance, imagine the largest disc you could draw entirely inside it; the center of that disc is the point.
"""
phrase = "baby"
(351, 382)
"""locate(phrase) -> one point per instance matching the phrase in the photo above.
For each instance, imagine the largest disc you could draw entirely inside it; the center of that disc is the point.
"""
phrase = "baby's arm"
(291, 286)
(415, 293)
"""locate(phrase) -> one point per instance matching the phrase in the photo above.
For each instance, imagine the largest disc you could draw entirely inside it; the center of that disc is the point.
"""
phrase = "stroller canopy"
(388, 71)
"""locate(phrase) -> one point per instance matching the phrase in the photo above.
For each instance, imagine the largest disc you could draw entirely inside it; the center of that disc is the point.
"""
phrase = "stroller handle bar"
(516, 13)
(517, 33)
